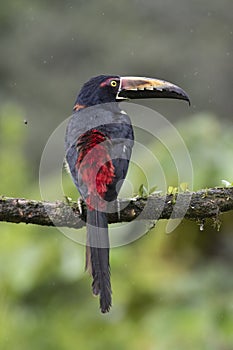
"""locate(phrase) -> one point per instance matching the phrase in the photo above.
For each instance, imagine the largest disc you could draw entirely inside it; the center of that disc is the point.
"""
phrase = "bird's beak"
(139, 87)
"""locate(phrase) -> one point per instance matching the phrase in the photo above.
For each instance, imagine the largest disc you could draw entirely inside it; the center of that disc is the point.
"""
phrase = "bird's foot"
(80, 205)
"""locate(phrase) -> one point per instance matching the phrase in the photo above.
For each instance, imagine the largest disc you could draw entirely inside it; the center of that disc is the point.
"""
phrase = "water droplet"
(202, 226)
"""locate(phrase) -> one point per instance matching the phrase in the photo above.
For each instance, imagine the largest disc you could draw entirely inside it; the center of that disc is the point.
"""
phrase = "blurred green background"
(169, 291)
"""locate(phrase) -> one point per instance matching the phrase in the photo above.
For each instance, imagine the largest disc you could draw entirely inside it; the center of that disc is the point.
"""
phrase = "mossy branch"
(190, 205)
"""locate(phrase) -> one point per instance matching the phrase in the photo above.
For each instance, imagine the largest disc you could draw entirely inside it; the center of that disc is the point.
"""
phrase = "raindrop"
(202, 226)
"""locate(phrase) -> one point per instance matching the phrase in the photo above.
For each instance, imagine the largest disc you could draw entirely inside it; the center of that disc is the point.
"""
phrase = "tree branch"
(191, 205)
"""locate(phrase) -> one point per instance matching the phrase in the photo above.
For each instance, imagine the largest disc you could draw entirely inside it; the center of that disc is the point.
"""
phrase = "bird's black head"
(113, 88)
(100, 89)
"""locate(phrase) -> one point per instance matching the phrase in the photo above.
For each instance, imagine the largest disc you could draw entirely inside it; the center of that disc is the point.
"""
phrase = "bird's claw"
(80, 207)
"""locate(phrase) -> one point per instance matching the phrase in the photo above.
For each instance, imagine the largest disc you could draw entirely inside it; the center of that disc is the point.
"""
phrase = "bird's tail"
(97, 257)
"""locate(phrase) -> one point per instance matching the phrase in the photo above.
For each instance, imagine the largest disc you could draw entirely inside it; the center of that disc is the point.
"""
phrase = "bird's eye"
(113, 83)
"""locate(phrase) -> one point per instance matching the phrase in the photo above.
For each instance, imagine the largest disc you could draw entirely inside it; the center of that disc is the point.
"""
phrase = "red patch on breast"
(95, 167)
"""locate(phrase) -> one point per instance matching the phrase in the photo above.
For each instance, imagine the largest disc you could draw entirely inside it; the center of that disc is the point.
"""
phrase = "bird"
(98, 145)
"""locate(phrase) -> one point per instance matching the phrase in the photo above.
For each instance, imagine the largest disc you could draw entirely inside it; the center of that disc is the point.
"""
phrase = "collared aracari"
(99, 140)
